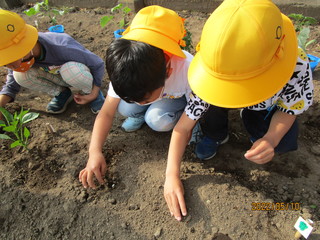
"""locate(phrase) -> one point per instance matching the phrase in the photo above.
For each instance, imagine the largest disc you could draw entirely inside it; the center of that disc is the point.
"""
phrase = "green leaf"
(10, 128)
(37, 7)
(126, 10)
(313, 206)
(26, 132)
(5, 137)
(104, 20)
(55, 11)
(29, 117)
(296, 17)
(8, 116)
(117, 8)
(310, 20)
(122, 23)
(303, 37)
(22, 113)
(310, 42)
(30, 12)
(15, 117)
(15, 144)
(2, 123)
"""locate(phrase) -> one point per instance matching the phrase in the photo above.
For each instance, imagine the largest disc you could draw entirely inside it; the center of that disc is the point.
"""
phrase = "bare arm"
(173, 188)
(4, 99)
(96, 165)
(262, 151)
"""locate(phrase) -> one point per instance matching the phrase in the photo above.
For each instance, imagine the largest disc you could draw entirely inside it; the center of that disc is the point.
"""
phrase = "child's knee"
(24, 78)
(77, 75)
(159, 121)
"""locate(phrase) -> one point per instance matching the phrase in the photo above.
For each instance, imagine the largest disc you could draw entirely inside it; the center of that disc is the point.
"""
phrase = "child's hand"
(97, 167)
(261, 151)
(83, 99)
(173, 193)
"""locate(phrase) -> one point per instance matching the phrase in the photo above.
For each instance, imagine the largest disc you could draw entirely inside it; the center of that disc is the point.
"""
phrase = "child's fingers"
(98, 176)
(168, 200)
(182, 205)
(90, 180)
(103, 170)
(260, 157)
(176, 208)
(80, 174)
(83, 179)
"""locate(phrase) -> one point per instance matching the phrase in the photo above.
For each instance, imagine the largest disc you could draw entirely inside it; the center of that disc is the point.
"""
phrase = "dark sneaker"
(196, 134)
(59, 103)
(207, 147)
(132, 124)
(97, 104)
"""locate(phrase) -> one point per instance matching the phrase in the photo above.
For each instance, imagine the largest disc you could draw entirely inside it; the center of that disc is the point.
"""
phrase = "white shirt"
(177, 86)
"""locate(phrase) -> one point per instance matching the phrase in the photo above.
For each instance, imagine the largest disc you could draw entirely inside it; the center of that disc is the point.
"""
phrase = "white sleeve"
(196, 107)
(111, 92)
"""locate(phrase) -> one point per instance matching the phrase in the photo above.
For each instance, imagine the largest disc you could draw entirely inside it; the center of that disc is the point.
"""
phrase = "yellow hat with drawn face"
(247, 53)
(17, 37)
(159, 27)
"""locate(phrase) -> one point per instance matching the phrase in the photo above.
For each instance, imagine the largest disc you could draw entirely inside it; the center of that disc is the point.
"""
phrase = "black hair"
(135, 68)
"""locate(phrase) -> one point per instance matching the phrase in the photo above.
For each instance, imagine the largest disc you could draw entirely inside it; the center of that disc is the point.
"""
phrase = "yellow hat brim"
(155, 39)
(248, 92)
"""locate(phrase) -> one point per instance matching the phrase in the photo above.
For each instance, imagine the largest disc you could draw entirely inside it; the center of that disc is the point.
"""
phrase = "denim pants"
(215, 126)
(71, 74)
(160, 116)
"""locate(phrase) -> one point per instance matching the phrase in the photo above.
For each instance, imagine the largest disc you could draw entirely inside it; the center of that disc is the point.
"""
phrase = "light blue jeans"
(160, 116)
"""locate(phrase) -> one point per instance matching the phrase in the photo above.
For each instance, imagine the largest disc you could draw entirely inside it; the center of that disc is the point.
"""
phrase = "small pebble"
(158, 232)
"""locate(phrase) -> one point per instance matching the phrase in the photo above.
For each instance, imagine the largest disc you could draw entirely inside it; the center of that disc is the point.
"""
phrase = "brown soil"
(41, 197)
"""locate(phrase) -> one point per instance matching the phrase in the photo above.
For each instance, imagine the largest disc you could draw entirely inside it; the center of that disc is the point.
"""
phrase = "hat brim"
(20, 49)
(248, 92)
(155, 39)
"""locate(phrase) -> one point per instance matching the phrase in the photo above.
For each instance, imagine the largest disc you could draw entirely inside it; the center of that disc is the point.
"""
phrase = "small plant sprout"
(120, 8)
(301, 21)
(43, 8)
(188, 39)
(14, 127)
(302, 27)
(303, 37)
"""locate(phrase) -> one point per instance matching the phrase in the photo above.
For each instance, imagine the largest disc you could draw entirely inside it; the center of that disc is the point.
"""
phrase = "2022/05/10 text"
(275, 206)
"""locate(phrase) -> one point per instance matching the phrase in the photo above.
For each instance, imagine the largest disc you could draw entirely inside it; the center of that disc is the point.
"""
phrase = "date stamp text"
(275, 206)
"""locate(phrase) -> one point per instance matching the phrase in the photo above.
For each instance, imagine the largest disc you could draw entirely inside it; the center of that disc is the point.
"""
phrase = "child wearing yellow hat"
(48, 62)
(149, 82)
(248, 58)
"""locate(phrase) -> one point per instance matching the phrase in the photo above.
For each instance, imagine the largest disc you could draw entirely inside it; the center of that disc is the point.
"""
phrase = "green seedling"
(125, 11)
(301, 21)
(303, 37)
(188, 39)
(14, 126)
(302, 26)
(44, 9)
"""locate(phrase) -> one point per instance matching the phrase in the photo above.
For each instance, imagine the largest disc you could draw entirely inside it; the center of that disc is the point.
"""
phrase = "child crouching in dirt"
(48, 62)
(148, 73)
(247, 57)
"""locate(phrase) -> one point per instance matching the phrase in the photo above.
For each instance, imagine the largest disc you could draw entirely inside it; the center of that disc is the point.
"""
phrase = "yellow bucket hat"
(247, 53)
(17, 37)
(159, 27)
